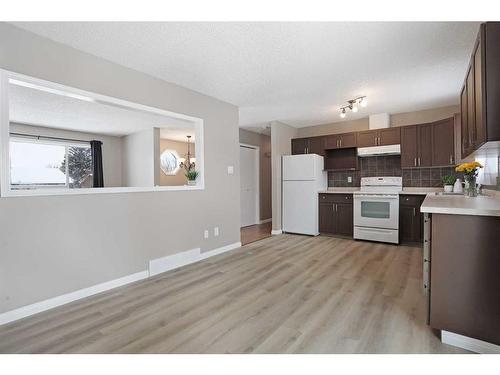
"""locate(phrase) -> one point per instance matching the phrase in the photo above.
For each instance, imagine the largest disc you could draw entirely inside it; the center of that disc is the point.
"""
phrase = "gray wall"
(264, 142)
(138, 159)
(397, 119)
(54, 245)
(281, 135)
(111, 148)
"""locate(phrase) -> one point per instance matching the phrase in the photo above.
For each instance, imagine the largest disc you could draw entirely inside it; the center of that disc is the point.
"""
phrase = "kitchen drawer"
(411, 200)
(335, 198)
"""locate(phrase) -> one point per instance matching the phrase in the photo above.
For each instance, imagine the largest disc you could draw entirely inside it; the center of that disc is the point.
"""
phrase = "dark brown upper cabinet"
(311, 145)
(416, 146)
(480, 94)
(379, 137)
(425, 145)
(389, 136)
(368, 138)
(342, 159)
(428, 145)
(316, 146)
(443, 150)
(409, 146)
(299, 146)
(345, 140)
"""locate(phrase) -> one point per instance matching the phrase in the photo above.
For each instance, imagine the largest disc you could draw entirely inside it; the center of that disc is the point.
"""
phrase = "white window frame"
(6, 191)
(28, 138)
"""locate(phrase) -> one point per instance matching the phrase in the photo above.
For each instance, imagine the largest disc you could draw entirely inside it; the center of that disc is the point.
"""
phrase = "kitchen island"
(461, 269)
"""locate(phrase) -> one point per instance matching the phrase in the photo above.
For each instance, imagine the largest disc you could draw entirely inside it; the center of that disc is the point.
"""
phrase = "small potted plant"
(448, 182)
(191, 177)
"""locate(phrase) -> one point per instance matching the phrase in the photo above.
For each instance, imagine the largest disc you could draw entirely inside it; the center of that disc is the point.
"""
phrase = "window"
(32, 163)
(38, 163)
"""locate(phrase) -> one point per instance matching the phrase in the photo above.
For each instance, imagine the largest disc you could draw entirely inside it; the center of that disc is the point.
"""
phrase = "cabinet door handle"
(419, 161)
(415, 161)
(336, 207)
(375, 140)
(337, 143)
(340, 140)
(414, 211)
(451, 159)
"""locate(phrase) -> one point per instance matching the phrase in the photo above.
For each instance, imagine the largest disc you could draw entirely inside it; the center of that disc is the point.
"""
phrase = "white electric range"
(376, 209)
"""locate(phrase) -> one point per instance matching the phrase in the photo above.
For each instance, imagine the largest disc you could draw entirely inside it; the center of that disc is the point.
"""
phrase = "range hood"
(379, 121)
(379, 150)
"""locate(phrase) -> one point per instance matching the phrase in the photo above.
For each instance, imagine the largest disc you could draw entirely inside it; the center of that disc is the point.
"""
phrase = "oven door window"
(376, 210)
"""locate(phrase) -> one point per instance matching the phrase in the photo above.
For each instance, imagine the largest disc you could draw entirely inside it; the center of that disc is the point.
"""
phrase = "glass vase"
(471, 186)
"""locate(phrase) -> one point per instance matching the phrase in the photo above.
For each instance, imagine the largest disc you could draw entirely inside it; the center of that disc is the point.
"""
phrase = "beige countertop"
(340, 190)
(461, 205)
(406, 190)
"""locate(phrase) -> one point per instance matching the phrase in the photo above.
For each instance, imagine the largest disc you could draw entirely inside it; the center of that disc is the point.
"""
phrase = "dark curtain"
(97, 173)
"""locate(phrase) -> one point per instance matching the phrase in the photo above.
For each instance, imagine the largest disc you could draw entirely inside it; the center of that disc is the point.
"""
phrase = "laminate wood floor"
(284, 294)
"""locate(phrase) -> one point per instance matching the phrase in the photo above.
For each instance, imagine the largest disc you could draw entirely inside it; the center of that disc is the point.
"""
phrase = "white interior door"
(249, 185)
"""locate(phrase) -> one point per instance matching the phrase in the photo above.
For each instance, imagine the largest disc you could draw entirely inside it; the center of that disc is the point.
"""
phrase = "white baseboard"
(156, 266)
(469, 343)
(265, 221)
(51, 303)
(220, 250)
(173, 261)
(276, 232)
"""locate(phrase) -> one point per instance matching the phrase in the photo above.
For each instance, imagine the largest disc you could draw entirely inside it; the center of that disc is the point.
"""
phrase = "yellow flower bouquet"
(470, 171)
(469, 168)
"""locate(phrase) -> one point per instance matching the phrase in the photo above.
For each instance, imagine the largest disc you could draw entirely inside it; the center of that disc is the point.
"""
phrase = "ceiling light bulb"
(342, 114)
(362, 102)
(354, 108)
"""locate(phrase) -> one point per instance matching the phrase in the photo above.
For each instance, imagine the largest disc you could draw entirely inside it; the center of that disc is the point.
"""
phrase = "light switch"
(230, 169)
(349, 179)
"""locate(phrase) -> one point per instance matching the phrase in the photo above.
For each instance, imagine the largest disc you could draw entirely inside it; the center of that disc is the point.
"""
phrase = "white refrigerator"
(303, 178)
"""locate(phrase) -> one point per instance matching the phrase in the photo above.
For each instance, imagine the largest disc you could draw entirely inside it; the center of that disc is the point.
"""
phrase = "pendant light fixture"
(189, 163)
(353, 105)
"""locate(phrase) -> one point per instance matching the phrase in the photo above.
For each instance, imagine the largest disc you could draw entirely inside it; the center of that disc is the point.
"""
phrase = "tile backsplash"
(390, 166)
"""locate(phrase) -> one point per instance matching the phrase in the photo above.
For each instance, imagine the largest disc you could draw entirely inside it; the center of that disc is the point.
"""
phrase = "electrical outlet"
(349, 179)
(216, 231)
(230, 169)
(206, 234)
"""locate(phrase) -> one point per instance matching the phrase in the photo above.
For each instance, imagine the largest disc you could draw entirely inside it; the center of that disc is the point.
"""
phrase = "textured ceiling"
(298, 73)
(35, 107)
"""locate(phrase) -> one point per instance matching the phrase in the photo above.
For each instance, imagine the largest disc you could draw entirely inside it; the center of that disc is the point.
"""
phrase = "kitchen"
(385, 184)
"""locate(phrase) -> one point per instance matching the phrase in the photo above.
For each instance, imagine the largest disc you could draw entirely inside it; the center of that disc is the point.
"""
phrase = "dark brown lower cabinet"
(344, 224)
(465, 282)
(326, 214)
(411, 227)
(335, 214)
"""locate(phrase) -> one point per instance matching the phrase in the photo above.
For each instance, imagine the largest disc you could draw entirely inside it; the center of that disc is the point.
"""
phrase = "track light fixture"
(353, 105)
